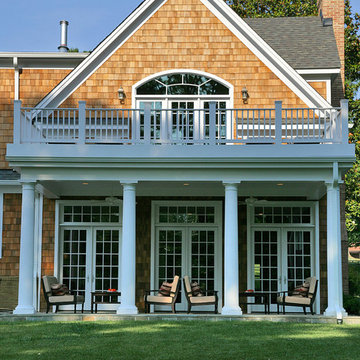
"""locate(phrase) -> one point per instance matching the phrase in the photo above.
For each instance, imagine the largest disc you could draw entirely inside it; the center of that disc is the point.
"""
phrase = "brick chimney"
(335, 9)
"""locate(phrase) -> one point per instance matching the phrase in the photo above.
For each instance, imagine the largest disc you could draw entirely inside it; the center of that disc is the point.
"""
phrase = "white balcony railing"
(180, 126)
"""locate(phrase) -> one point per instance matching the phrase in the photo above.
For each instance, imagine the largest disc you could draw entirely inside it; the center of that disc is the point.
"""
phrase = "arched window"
(182, 84)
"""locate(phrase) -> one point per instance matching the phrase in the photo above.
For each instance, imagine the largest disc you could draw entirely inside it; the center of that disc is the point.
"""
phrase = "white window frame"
(218, 224)
(90, 227)
(314, 225)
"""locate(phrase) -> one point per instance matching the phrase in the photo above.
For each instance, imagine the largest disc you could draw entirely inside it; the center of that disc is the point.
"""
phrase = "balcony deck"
(211, 126)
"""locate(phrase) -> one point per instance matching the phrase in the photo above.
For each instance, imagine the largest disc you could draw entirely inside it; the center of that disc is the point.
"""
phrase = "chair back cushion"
(312, 286)
(48, 281)
(175, 286)
(187, 286)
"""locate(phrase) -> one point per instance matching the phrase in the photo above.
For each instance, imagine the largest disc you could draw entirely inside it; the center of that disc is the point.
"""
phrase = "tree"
(271, 8)
(352, 86)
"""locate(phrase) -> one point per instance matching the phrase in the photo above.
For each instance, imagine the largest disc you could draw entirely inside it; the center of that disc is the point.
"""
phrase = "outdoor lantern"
(245, 95)
(121, 94)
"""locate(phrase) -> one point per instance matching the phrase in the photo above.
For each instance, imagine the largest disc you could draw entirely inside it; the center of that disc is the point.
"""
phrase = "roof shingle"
(303, 42)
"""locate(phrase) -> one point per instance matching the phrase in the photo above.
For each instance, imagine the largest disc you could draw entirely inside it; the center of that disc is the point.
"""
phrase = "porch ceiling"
(309, 190)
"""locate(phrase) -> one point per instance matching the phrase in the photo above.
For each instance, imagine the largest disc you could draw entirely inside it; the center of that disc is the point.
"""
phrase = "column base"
(233, 311)
(127, 310)
(337, 312)
(24, 310)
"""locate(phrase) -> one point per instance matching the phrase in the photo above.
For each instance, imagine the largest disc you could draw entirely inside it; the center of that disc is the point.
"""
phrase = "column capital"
(231, 183)
(129, 182)
(330, 185)
(28, 182)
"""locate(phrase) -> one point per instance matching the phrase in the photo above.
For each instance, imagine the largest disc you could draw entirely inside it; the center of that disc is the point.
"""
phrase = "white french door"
(282, 259)
(187, 250)
(183, 119)
(90, 260)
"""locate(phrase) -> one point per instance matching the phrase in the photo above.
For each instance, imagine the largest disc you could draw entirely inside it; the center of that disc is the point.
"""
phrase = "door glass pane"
(74, 259)
(155, 119)
(169, 255)
(182, 127)
(106, 259)
(266, 262)
(299, 257)
(220, 120)
(203, 258)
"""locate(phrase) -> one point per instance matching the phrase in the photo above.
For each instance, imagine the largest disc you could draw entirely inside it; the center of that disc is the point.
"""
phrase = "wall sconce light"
(121, 95)
(245, 95)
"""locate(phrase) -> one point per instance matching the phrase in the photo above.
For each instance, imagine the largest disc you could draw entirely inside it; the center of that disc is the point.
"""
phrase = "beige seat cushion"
(159, 299)
(66, 298)
(296, 300)
(202, 299)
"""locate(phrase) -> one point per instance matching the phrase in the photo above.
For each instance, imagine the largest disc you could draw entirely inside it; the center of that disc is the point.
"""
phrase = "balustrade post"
(344, 121)
(17, 122)
(82, 122)
(278, 122)
(147, 122)
(212, 122)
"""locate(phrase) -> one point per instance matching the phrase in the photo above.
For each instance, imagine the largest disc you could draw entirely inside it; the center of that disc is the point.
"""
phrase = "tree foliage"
(271, 8)
(352, 86)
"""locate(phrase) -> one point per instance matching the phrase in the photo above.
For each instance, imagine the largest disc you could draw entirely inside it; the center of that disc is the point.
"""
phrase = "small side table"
(256, 294)
(104, 297)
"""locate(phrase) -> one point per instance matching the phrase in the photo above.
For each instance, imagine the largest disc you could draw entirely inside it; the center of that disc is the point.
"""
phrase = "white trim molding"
(318, 71)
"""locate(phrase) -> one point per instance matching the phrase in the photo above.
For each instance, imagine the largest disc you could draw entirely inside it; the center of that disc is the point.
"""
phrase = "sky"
(33, 25)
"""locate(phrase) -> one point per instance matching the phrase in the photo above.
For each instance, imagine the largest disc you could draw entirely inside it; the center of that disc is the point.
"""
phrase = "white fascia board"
(101, 54)
(118, 155)
(318, 71)
(266, 54)
(43, 55)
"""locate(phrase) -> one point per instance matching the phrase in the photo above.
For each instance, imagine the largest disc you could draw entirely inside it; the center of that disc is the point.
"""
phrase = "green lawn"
(177, 340)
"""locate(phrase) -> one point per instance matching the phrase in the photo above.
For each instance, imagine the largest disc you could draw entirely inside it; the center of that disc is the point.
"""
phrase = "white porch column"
(127, 278)
(231, 253)
(334, 269)
(26, 268)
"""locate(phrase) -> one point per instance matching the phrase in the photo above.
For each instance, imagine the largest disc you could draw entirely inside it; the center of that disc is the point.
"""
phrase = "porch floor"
(107, 316)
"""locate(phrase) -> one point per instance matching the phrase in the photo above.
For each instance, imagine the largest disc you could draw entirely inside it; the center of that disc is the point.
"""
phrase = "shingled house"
(191, 142)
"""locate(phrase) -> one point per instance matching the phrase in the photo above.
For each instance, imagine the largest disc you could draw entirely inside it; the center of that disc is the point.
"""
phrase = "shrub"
(352, 304)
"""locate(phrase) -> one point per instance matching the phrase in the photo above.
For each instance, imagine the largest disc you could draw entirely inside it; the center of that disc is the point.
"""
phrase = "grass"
(177, 340)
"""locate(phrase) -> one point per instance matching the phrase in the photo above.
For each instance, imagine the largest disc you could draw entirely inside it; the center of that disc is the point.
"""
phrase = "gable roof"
(303, 42)
(224, 13)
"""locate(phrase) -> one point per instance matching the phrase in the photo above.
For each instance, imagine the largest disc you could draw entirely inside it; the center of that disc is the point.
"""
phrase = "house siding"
(9, 263)
(34, 85)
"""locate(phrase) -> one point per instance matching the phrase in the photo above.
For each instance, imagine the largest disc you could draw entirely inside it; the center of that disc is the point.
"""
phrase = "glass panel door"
(221, 119)
(106, 259)
(298, 257)
(106, 262)
(169, 260)
(183, 120)
(266, 264)
(203, 258)
(75, 264)
(156, 122)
